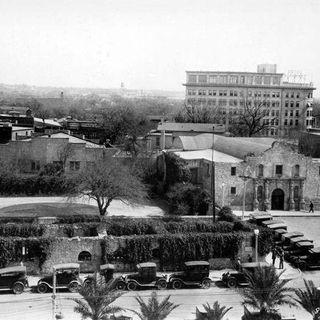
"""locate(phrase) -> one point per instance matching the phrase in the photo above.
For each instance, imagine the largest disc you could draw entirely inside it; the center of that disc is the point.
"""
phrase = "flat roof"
(277, 226)
(207, 154)
(13, 269)
(67, 266)
(146, 265)
(293, 234)
(197, 263)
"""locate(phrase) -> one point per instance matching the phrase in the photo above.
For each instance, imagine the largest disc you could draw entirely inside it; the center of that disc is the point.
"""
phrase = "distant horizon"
(149, 44)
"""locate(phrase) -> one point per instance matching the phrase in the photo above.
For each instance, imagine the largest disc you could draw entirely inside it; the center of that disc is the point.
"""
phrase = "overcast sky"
(148, 44)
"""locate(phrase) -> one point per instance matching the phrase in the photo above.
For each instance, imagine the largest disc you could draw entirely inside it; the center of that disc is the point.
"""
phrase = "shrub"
(24, 230)
(81, 230)
(77, 219)
(225, 214)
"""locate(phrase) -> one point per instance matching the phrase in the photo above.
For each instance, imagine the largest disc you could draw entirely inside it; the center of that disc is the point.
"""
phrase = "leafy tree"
(154, 309)
(266, 291)
(212, 313)
(97, 300)
(109, 180)
(309, 299)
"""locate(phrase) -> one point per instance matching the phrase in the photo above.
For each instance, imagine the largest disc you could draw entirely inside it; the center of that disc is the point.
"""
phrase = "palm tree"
(309, 299)
(153, 309)
(214, 313)
(96, 300)
(266, 291)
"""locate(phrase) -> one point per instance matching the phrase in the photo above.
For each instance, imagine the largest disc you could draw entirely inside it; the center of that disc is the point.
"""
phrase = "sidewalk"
(280, 213)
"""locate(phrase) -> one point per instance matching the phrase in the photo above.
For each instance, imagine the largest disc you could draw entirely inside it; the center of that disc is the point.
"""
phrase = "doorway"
(277, 200)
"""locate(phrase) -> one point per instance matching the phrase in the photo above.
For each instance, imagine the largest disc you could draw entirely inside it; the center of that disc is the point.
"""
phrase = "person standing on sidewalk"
(281, 257)
(311, 207)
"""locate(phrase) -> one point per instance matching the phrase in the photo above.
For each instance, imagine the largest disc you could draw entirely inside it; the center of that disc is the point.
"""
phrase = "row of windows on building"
(278, 170)
(235, 93)
(234, 79)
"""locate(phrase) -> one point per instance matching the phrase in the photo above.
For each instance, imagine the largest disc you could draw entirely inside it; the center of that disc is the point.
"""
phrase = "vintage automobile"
(309, 261)
(259, 218)
(107, 272)
(277, 226)
(195, 273)
(286, 237)
(302, 249)
(238, 278)
(291, 243)
(67, 277)
(278, 233)
(270, 222)
(145, 277)
(13, 278)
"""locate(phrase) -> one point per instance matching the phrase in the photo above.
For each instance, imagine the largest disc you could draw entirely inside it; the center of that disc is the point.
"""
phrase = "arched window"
(296, 172)
(84, 256)
(260, 170)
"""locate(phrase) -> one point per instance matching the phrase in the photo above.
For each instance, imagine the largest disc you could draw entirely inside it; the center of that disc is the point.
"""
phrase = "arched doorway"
(277, 200)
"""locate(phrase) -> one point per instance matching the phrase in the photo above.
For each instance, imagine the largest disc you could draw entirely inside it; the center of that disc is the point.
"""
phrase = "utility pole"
(54, 294)
(213, 191)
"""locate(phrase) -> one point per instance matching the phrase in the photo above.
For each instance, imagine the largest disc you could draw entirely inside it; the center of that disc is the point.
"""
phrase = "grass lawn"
(48, 210)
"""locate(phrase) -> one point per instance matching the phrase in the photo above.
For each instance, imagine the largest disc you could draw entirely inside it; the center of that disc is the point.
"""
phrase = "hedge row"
(33, 185)
(175, 248)
(11, 249)
(24, 230)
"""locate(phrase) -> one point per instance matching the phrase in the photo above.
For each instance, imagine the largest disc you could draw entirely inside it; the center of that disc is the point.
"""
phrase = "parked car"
(195, 273)
(107, 272)
(290, 235)
(292, 244)
(14, 278)
(146, 276)
(309, 261)
(67, 277)
(278, 233)
(302, 249)
(259, 218)
(238, 278)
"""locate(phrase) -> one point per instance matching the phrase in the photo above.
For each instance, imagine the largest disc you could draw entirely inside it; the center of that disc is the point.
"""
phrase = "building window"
(291, 104)
(297, 113)
(84, 256)
(287, 94)
(258, 80)
(296, 170)
(74, 165)
(267, 80)
(286, 104)
(291, 122)
(35, 165)
(297, 122)
(298, 95)
(260, 170)
(286, 113)
(279, 170)
(234, 79)
(260, 193)
(242, 79)
(233, 190)
(292, 94)
(297, 105)
(202, 78)
(192, 78)
(157, 141)
(213, 79)
(233, 171)
(291, 113)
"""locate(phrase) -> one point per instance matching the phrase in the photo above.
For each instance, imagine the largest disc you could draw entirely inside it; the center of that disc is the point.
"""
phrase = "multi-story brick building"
(286, 105)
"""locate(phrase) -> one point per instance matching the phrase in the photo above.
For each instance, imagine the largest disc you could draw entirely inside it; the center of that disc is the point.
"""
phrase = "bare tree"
(64, 152)
(109, 180)
(197, 113)
(253, 118)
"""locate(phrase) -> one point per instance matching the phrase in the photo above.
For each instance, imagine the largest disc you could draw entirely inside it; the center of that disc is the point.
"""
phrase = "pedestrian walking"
(274, 255)
(311, 207)
(281, 257)
(249, 258)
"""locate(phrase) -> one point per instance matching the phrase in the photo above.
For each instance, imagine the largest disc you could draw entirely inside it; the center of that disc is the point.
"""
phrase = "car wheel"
(18, 288)
(132, 286)
(232, 283)
(121, 285)
(205, 284)
(302, 266)
(42, 288)
(176, 284)
(162, 284)
(74, 287)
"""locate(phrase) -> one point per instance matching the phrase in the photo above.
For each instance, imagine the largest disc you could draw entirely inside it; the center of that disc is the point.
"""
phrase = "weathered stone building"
(271, 173)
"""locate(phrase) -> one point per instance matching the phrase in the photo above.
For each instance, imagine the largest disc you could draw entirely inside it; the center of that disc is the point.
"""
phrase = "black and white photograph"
(159, 160)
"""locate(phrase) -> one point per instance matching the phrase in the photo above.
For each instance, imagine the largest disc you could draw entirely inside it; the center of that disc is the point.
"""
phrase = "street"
(30, 306)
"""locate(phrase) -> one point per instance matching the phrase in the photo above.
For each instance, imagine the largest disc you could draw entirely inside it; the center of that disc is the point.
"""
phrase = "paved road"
(30, 306)
(116, 208)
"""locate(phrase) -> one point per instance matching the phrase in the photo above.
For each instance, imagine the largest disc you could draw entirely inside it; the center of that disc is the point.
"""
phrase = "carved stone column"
(302, 201)
(267, 196)
(291, 197)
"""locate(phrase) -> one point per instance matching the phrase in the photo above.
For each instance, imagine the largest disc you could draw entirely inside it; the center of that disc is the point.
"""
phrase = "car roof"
(66, 266)
(197, 263)
(266, 223)
(315, 250)
(146, 265)
(277, 225)
(254, 264)
(106, 266)
(13, 269)
(299, 239)
(306, 243)
(281, 231)
(262, 217)
(293, 234)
